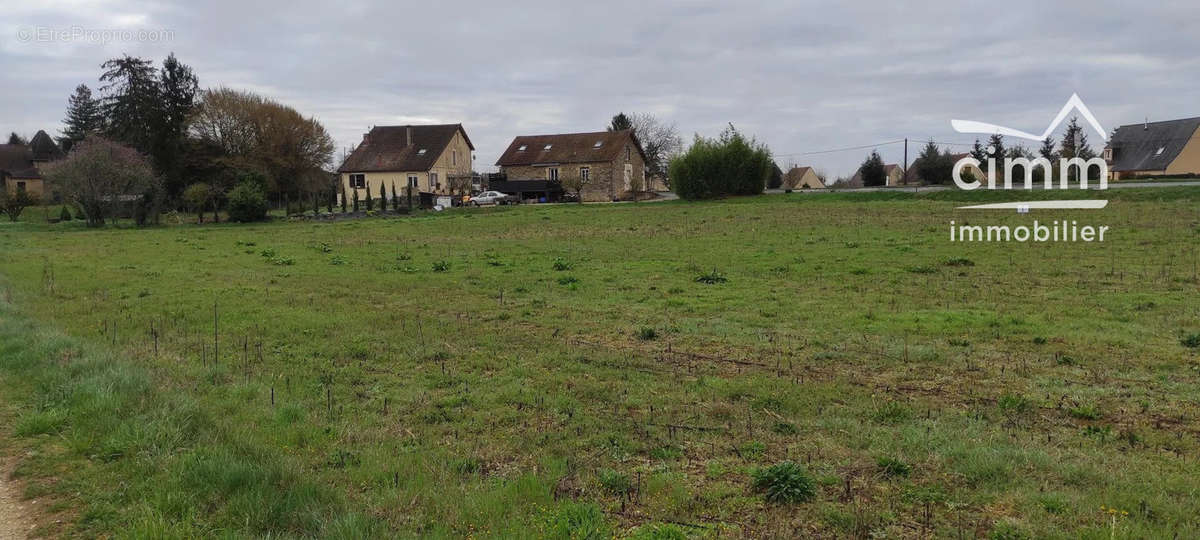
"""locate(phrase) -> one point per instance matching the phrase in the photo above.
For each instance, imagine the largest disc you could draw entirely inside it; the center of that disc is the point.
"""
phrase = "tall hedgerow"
(731, 164)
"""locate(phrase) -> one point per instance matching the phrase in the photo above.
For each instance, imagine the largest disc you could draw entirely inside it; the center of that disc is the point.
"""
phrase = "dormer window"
(421, 152)
(598, 144)
(548, 147)
(1160, 150)
(522, 148)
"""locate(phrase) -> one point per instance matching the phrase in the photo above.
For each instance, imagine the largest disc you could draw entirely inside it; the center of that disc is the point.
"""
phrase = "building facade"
(429, 159)
(610, 165)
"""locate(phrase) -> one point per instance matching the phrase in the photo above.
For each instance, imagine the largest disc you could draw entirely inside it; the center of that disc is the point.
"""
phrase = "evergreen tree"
(130, 101)
(356, 200)
(996, 143)
(620, 122)
(873, 171)
(383, 200)
(84, 116)
(370, 199)
(934, 166)
(177, 87)
(979, 153)
(343, 198)
(1075, 145)
(1047, 150)
(395, 197)
(13, 138)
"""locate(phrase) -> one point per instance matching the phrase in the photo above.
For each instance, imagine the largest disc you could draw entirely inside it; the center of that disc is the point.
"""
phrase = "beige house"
(802, 178)
(913, 175)
(611, 164)
(1164, 148)
(431, 159)
(21, 164)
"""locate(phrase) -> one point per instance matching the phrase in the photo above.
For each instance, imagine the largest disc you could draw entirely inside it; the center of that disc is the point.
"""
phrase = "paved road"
(668, 196)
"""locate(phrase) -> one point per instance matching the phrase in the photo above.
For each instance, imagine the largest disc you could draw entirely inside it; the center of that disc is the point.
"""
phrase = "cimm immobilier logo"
(1057, 231)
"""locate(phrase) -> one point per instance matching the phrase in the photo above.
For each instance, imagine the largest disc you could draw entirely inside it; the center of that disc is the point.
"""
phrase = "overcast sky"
(801, 77)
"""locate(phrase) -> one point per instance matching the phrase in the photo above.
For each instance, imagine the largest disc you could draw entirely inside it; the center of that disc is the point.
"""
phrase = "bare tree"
(660, 141)
(575, 184)
(100, 175)
(14, 201)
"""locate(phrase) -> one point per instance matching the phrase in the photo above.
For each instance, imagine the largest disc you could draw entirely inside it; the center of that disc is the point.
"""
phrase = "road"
(668, 196)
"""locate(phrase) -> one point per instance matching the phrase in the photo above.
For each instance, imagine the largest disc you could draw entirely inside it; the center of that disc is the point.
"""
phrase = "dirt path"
(14, 513)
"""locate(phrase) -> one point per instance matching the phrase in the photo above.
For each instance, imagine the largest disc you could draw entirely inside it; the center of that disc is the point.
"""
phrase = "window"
(598, 144)
(20, 187)
(433, 181)
(627, 153)
(1160, 150)
(547, 147)
(358, 181)
(522, 148)
(585, 174)
(421, 152)
(454, 158)
(552, 174)
(412, 181)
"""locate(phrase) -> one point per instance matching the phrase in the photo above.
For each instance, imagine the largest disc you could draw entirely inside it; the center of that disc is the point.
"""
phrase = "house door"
(628, 176)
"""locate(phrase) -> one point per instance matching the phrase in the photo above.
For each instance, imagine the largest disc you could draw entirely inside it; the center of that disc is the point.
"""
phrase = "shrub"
(784, 483)
(892, 467)
(614, 482)
(1192, 341)
(64, 214)
(247, 203)
(728, 165)
(13, 202)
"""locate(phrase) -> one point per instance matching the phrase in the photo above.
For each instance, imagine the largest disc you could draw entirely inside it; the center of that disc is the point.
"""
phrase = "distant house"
(430, 159)
(21, 164)
(802, 178)
(1165, 148)
(611, 163)
(893, 176)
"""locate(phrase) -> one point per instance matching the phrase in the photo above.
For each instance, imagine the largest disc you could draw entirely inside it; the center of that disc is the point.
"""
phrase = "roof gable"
(16, 160)
(44, 148)
(1151, 146)
(387, 148)
(568, 148)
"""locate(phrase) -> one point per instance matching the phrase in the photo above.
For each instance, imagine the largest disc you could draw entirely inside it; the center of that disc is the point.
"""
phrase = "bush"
(247, 203)
(892, 467)
(784, 483)
(13, 202)
(64, 214)
(728, 165)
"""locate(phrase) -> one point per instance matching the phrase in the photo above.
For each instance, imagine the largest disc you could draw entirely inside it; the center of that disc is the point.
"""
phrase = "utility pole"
(904, 178)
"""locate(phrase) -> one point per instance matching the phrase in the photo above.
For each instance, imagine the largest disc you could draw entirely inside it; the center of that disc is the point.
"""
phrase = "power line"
(843, 149)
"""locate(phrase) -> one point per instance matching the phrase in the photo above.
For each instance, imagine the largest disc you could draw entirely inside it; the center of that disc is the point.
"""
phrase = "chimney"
(366, 138)
(1146, 126)
(408, 134)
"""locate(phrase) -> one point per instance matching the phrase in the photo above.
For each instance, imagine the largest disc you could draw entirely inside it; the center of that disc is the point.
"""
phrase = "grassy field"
(613, 370)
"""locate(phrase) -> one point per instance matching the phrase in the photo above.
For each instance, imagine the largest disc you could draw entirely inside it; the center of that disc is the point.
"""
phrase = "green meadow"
(619, 370)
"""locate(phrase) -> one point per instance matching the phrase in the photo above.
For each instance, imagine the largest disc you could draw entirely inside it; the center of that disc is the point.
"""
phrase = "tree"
(873, 171)
(177, 89)
(660, 142)
(260, 134)
(620, 122)
(1047, 150)
(370, 199)
(356, 200)
(84, 117)
(14, 138)
(395, 198)
(979, 153)
(383, 199)
(1075, 145)
(343, 198)
(130, 102)
(199, 197)
(933, 166)
(15, 201)
(728, 165)
(776, 178)
(101, 175)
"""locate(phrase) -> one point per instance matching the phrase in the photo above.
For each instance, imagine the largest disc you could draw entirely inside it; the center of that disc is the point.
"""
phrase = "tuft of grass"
(568, 280)
(646, 333)
(784, 483)
(785, 428)
(891, 412)
(562, 265)
(615, 483)
(1085, 412)
(959, 261)
(1191, 341)
(441, 266)
(711, 278)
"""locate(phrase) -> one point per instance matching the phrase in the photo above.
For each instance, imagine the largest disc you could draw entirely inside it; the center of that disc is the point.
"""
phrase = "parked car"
(492, 197)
